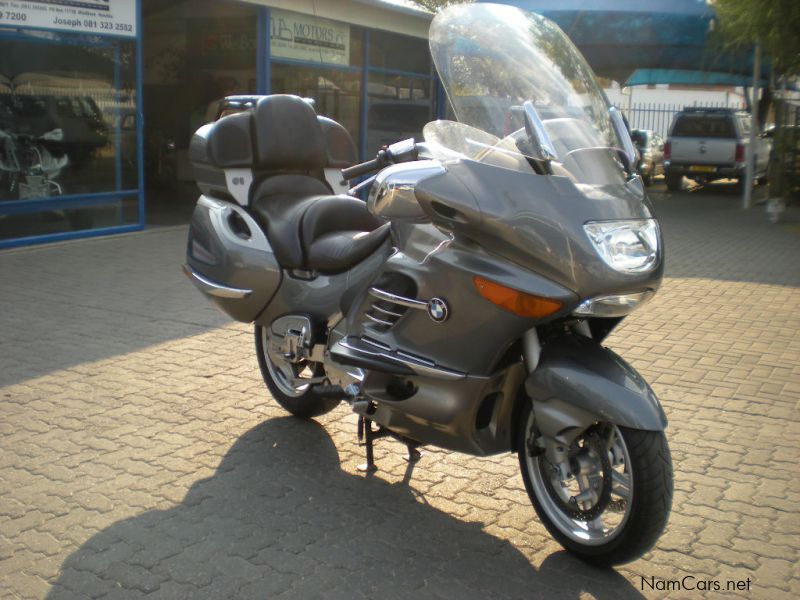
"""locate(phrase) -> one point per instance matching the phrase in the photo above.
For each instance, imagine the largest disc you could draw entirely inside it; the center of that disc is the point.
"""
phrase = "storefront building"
(99, 98)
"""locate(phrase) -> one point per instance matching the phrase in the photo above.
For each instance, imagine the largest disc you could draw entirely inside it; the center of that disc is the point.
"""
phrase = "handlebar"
(364, 168)
(401, 151)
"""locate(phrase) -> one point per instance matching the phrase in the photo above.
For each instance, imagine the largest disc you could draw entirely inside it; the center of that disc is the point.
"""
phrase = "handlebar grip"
(362, 168)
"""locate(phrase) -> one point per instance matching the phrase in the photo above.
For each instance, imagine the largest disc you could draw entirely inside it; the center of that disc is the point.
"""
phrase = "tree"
(772, 23)
(437, 5)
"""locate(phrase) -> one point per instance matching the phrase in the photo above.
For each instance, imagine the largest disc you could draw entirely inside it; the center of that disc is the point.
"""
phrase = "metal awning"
(617, 37)
(681, 77)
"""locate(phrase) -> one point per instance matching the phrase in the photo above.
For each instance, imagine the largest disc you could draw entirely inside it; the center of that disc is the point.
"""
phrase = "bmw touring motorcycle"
(464, 305)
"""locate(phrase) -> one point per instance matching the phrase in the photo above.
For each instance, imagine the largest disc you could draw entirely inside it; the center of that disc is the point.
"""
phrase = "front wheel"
(285, 380)
(610, 499)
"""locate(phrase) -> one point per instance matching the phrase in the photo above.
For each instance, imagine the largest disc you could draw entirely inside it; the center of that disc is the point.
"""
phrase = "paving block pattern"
(142, 457)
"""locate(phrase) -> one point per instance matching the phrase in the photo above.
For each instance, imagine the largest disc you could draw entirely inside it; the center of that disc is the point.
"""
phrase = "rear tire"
(304, 403)
(645, 461)
(674, 182)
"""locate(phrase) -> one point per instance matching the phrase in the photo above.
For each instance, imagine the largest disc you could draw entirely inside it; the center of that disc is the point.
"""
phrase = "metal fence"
(658, 116)
(784, 174)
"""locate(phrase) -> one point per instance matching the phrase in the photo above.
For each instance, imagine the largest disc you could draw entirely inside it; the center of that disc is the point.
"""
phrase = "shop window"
(66, 101)
(195, 53)
(399, 52)
(103, 213)
(336, 93)
(399, 107)
(221, 61)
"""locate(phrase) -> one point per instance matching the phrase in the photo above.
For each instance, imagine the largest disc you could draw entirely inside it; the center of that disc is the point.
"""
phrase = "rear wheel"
(285, 380)
(609, 501)
(674, 182)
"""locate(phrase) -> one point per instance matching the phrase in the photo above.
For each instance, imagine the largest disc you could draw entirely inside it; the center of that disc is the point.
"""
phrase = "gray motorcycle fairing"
(537, 222)
(471, 415)
(323, 296)
(577, 379)
(477, 333)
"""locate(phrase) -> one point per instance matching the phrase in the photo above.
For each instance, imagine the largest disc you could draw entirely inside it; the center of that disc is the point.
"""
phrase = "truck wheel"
(674, 182)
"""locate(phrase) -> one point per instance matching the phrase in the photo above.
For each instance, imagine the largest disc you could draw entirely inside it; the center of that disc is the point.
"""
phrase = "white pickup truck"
(706, 144)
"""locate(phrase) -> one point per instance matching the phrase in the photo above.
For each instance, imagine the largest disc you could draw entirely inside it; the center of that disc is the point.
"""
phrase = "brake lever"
(356, 190)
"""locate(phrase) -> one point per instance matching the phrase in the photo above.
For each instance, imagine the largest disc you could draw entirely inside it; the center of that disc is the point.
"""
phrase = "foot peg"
(367, 435)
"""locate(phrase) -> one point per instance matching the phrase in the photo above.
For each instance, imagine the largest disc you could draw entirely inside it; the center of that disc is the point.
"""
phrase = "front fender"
(577, 380)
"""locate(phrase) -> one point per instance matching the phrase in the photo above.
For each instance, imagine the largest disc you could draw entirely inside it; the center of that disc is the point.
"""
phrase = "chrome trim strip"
(416, 359)
(386, 312)
(376, 343)
(420, 366)
(378, 321)
(401, 300)
(212, 288)
(208, 202)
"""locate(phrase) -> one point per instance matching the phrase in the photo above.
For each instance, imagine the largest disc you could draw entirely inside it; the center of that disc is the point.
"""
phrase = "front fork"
(556, 423)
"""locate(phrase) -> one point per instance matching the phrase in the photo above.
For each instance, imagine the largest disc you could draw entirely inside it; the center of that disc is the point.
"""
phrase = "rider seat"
(310, 229)
(282, 141)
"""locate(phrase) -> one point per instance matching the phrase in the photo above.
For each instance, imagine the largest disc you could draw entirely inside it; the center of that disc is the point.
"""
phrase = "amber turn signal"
(519, 303)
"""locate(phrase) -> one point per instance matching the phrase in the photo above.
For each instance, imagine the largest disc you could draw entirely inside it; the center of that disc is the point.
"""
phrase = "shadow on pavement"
(280, 516)
(75, 303)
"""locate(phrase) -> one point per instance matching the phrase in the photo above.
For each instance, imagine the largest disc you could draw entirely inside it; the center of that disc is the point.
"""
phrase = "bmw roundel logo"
(438, 310)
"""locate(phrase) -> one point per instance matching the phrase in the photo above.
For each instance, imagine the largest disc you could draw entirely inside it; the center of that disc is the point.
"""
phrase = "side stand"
(367, 436)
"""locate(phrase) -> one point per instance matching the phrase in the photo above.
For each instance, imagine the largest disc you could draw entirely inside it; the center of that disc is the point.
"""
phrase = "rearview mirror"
(624, 136)
(542, 144)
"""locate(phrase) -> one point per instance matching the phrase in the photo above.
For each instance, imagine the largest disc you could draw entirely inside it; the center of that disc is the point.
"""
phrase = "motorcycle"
(30, 164)
(465, 303)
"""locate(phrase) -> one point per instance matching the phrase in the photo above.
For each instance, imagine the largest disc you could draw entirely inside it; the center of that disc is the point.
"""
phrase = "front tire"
(621, 518)
(302, 401)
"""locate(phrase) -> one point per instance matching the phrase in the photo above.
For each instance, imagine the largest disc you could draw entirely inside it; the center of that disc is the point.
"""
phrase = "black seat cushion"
(337, 213)
(339, 232)
(278, 204)
(341, 148)
(288, 136)
(310, 229)
(339, 251)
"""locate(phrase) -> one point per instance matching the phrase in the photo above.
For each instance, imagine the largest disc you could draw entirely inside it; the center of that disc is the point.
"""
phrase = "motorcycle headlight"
(626, 246)
(612, 305)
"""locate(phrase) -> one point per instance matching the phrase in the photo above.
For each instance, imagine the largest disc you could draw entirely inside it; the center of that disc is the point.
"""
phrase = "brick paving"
(141, 456)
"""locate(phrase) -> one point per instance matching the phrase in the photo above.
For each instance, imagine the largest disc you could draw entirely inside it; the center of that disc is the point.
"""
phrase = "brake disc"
(595, 444)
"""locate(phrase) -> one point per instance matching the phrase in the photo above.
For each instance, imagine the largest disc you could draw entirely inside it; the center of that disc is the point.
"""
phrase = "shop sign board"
(103, 17)
(308, 38)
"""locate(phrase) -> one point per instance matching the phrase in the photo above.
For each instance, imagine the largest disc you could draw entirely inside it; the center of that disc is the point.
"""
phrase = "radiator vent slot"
(391, 298)
(383, 315)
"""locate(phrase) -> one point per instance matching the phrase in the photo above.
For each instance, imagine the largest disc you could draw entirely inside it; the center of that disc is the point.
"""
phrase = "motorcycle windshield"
(491, 60)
